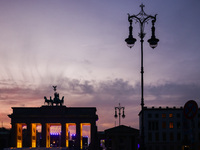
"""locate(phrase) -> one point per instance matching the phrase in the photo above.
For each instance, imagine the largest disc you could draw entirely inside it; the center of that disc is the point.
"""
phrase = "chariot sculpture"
(56, 100)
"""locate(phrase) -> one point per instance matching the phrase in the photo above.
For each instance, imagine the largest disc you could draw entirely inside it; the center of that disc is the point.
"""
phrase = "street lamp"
(119, 108)
(142, 18)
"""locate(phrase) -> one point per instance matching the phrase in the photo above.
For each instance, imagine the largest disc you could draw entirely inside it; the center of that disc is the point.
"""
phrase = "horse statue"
(48, 101)
(62, 101)
(56, 100)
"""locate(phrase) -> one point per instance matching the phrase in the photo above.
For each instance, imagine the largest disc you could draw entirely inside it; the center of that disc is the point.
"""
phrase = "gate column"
(77, 143)
(28, 140)
(13, 142)
(43, 142)
(63, 135)
(94, 139)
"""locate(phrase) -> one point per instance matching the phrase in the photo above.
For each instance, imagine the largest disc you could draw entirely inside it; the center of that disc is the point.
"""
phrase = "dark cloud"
(172, 94)
(105, 95)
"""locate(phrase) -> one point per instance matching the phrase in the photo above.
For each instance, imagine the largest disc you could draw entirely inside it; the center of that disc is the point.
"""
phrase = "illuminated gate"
(47, 115)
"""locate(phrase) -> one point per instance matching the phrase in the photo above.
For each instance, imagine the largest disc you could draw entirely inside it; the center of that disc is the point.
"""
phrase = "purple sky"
(79, 46)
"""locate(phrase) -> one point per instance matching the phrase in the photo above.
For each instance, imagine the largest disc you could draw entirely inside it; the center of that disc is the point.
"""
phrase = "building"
(121, 138)
(4, 138)
(47, 116)
(168, 128)
(25, 120)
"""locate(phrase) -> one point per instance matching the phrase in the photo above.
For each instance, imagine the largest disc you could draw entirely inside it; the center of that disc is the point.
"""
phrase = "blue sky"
(79, 46)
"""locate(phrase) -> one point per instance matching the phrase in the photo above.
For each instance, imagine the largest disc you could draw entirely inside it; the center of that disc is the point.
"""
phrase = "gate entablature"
(52, 113)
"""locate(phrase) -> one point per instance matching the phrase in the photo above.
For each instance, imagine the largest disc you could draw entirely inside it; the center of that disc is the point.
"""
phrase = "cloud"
(170, 94)
(104, 95)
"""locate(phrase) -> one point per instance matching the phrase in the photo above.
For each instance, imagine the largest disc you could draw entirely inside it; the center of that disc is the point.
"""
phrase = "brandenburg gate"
(48, 115)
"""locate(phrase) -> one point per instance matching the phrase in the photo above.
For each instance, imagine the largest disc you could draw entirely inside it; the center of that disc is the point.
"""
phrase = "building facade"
(4, 138)
(168, 128)
(121, 138)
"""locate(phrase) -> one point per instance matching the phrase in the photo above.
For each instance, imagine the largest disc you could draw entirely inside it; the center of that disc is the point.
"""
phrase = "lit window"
(163, 115)
(171, 125)
(170, 115)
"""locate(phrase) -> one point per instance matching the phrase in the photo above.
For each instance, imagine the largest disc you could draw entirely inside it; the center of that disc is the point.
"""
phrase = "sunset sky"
(79, 46)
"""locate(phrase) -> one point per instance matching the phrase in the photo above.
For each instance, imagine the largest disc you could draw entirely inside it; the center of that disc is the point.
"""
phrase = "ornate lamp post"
(119, 108)
(142, 18)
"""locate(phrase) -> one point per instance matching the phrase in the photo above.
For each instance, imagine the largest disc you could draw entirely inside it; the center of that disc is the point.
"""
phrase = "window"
(178, 136)
(164, 136)
(121, 139)
(157, 127)
(153, 125)
(156, 115)
(178, 115)
(199, 135)
(157, 136)
(171, 136)
(170, 115)
(149, 115)
(164, 147)
(198, 115)
(163, 115)
(171, 147)
(149, 125)
(164, 125)
(178, 125)
(150, 136)
(156, 147)
(150, 147)
(171, 125)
